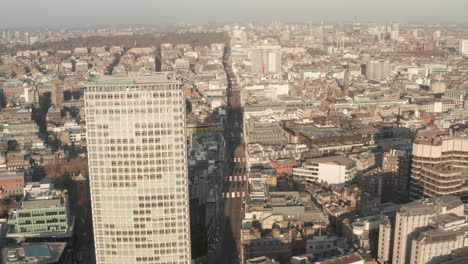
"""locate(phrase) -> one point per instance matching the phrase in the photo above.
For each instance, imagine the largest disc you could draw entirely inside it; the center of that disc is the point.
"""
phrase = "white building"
(266, 59)
(138, 170)
(464, 47)
(447, 232)
(415, 217)
(333, 170)
(353, 258)
(378, 70)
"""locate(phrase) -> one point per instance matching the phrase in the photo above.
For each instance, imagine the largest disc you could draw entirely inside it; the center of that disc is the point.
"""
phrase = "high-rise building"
(285, 35)
(266, 59)
(395, 31)
(398, 162)
(385, 246)
(27, 38)
(464, 47)
(8, 36)
(436, 35)
(378, 70)
(440, 164)
(138, 169)
(415, 218)
(57, 93)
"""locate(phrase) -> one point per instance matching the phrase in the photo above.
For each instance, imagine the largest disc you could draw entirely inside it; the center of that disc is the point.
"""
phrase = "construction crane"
(262, 58)
(340, 38)
(342, 34)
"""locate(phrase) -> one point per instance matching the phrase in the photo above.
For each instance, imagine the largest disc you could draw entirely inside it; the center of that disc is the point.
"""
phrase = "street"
(235, 180)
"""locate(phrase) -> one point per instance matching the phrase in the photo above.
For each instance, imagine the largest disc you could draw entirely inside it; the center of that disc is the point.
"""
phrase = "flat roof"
(346, 259)
(338, 160)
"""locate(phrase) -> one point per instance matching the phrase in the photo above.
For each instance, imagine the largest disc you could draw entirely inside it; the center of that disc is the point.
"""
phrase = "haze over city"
(234, 132)
(56, 12)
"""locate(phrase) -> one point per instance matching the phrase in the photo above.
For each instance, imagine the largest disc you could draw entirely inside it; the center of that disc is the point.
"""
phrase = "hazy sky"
(83, 12)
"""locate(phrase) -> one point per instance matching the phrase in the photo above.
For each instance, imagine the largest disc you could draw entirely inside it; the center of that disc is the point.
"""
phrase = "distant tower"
(437, 35)
(395, 32)
(378, 70)
(464, 47)
(27, 38)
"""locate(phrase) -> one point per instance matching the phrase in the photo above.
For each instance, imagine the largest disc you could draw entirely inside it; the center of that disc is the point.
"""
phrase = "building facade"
(439, 165)
(266, 59)
(398, 162)
(464, 47)
(414, 218)
(333, 170)
(378, 70)
(44, 210)
(138, 170)
(448, 232)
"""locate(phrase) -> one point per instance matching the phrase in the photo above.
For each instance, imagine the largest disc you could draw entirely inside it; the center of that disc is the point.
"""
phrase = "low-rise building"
(353, 258)
(37, 253)
(335, 170)
(43, 212)
(11, 183)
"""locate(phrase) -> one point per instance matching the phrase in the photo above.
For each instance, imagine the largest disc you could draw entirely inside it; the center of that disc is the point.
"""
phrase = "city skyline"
(331, 139)
(53, 12)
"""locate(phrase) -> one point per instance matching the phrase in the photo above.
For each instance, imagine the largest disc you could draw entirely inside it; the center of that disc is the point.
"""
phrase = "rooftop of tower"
(130, 79)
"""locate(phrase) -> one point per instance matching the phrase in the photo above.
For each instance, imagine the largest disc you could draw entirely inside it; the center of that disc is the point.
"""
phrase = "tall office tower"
(378, 70)
(395, 32)
(138, 170)
(285, 35)
(440, 164)
(57, 93)
(415, 33)
(266, 59)
(436, 35)
(464, 47)
(397, 161)
(413, 219)
(27, 38)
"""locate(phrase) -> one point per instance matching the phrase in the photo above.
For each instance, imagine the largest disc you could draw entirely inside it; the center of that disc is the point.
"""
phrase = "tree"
(67, 95)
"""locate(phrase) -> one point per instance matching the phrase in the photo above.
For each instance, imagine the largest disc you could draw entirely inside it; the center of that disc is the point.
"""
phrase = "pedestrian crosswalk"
(228, 195)
(239, 160)
(236, 178)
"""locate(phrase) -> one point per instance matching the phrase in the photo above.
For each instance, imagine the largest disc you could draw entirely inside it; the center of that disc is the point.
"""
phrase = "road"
(235, 182)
